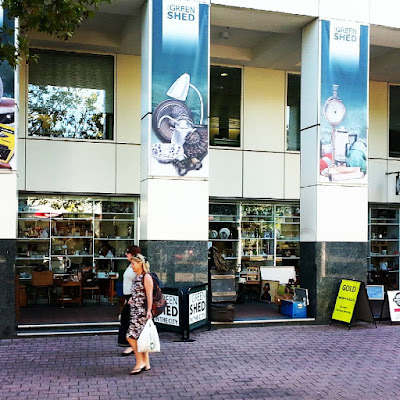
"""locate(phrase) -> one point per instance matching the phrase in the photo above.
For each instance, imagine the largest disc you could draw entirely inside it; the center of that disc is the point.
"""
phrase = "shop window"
(225, 100)
(293, 112)
(394, 122)
(71, 95)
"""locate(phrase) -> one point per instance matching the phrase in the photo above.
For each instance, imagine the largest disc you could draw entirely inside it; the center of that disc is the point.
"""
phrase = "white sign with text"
(197, 306)
(170, 316)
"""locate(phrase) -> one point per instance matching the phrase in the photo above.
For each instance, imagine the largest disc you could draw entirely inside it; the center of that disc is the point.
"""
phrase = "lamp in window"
(179, 91)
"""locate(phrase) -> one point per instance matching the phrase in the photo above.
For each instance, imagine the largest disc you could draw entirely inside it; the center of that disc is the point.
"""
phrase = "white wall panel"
(377, 181)
(385, 12)
(21, 164)
(292, 176)
(342, 213)
(67, 166)
(354, 10)
(128, 99)
(308, 214)
(263, 175)
(393, 166)
(226, 173)
(309, 157)
(264, 110)
(128, 169)
(175, 209)
(8, 205)
(303, 7)
(378, 135)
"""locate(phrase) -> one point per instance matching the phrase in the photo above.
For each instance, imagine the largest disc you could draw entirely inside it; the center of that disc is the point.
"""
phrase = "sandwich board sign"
(352, 303)
(393, 297)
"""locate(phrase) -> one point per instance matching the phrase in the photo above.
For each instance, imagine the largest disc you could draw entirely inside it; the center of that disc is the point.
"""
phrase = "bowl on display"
(224, 233)
(213, 234)
(166, 152)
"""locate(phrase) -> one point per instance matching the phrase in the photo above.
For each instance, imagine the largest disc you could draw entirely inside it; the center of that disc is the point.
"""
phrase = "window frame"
(68, 139)
(240, 147)
(285, 117)
(389, 85)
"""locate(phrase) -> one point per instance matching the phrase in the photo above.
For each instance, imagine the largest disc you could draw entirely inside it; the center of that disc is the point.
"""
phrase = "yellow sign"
(6, 143)
(346, 300)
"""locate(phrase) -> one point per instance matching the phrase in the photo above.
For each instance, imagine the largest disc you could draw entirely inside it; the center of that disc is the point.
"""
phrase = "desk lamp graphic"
(180, 89)
(334, 112)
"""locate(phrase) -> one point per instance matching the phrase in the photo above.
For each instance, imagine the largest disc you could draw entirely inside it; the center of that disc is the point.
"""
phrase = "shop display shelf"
(256, 238)
(223, 240)
(72, 237)
(28, 239)
(119, 238)
(109, 258)
(41, 258)
(113, 220)
(72, 255)
(384, 240)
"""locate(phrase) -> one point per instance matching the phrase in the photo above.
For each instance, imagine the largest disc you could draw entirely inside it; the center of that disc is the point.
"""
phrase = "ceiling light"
(224, 74)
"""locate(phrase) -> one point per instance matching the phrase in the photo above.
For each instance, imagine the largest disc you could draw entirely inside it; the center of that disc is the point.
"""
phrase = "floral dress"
(138, 308)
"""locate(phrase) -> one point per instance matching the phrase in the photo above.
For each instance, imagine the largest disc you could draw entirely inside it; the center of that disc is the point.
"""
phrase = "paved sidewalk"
(275, 362)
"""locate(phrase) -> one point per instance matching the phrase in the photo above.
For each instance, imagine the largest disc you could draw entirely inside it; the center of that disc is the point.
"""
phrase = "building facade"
(86, 159)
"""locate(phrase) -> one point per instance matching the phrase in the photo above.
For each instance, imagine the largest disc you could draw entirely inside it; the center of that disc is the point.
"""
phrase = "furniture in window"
(90, 283)
(71, 292)
(42, 280)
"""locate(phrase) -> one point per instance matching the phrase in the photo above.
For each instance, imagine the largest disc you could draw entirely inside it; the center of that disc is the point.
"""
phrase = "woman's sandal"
(137, 371)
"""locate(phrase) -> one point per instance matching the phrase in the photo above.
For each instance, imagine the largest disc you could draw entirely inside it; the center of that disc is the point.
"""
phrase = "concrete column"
(174, 146)
(334, 185)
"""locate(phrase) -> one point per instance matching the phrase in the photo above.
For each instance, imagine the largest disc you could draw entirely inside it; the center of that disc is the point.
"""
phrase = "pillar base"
(323, 265)
(177, 263)
(7, 288)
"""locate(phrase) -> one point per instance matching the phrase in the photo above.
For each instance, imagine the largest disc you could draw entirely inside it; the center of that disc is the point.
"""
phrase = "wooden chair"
(253, 282)
(93, 287)
(42, 280)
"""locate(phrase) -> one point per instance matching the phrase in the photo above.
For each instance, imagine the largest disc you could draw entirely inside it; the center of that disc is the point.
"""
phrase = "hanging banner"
(394, 305)
(344, 102)
(7, 104)
(180, 80)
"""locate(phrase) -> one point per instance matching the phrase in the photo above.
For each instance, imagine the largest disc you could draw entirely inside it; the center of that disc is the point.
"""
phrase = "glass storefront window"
(71, 95)
(293, 112)
(384, 247)
(65, 234)
(225, 106)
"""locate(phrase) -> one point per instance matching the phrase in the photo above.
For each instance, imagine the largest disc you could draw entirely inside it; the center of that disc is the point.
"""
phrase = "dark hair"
(134, 250)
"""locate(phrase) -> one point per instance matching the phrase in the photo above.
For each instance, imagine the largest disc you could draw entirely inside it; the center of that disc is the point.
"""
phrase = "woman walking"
(128, 278)
(140, 303)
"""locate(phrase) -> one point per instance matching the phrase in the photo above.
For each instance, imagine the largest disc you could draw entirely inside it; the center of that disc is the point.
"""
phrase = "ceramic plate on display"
(224, 233)
(213, 234)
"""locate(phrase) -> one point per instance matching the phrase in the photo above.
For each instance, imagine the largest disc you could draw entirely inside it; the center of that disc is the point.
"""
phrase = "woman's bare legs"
(140, 361)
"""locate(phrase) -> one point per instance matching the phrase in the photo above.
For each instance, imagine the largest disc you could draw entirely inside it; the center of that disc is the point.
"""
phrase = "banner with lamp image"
(343, 134)
(7, 104)
(180, 79)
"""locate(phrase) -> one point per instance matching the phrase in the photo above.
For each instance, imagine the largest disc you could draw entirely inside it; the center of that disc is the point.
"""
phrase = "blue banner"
(7, 104)
(344, 102)
(180, 79)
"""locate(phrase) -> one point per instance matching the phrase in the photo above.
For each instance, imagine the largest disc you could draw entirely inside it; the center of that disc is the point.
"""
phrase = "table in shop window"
(111, 287)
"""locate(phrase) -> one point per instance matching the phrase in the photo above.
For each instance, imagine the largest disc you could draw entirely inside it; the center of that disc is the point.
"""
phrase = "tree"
(53, 17)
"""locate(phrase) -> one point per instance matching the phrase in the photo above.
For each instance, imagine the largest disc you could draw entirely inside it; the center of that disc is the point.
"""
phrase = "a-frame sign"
(352, 303)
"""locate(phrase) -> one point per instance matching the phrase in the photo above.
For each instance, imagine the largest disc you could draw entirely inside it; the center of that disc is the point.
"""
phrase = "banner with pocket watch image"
(344, 102)
(7, 106)
(180, 76)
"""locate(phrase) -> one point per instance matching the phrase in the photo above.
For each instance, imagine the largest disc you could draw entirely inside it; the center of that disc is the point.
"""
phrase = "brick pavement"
(275, 362)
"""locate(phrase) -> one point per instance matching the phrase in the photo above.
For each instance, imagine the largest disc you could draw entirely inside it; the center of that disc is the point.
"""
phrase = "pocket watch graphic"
(334, 112)
(334, 109)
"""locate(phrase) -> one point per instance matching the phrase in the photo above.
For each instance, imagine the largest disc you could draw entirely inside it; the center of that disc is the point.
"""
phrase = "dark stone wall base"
(323, 265)
(177, 263)
(7, 288)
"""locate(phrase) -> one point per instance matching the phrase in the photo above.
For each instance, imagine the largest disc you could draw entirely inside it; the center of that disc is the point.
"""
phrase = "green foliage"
(54, 17)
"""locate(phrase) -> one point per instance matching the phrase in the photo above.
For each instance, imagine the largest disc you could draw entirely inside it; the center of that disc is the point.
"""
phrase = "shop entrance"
(259, 242)
(71, 258)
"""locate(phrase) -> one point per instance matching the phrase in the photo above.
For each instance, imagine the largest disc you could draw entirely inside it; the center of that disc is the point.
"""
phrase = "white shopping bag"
(149, 341)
